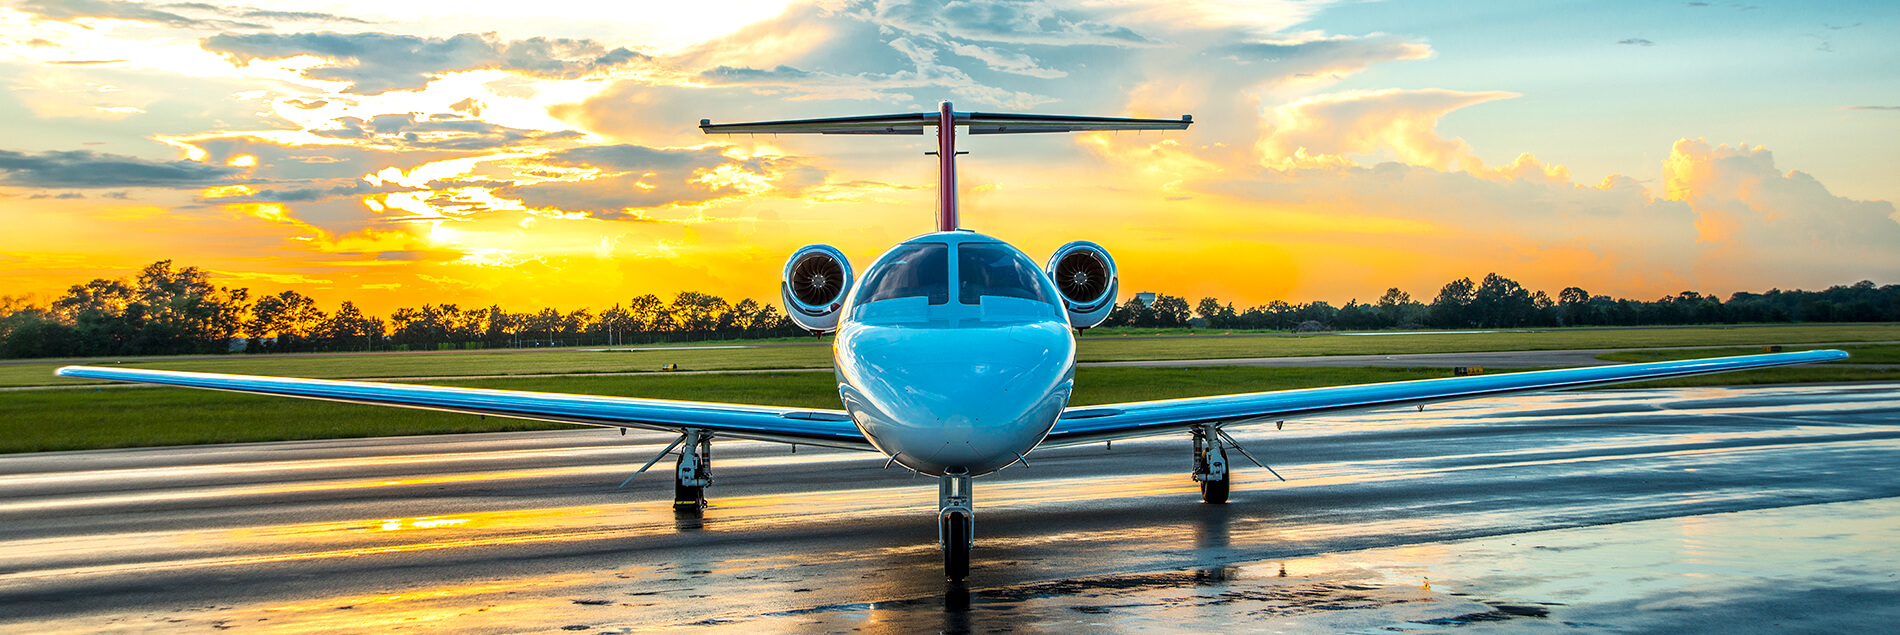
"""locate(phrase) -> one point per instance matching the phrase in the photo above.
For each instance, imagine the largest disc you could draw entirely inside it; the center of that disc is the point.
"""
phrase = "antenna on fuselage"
(946, 120)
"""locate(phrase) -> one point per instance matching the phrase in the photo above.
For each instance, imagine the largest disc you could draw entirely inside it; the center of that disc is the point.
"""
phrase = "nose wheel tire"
(1214, 492)
(956, 547)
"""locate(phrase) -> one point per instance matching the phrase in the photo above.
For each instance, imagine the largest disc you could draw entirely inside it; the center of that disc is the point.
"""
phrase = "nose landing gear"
(956, 524)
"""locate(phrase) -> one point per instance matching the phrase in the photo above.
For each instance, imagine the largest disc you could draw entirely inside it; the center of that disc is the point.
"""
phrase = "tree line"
(1499, 302)
(168, 311)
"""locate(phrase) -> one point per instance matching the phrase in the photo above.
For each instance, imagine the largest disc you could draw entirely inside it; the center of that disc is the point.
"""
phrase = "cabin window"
(912, 270)
(996, 269)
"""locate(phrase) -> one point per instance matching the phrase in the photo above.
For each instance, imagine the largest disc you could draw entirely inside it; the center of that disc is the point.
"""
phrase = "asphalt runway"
(1705, 509)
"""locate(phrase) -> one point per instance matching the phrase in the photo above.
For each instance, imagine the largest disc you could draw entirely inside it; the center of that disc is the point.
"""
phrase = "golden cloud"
(1404, 122)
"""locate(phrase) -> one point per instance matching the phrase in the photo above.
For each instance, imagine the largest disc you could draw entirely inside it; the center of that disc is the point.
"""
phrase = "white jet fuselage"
(954, 354)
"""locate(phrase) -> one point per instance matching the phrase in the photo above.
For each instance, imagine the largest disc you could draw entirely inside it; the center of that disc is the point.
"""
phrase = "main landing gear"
(956, 524)
(693, 472)
(1210, 464)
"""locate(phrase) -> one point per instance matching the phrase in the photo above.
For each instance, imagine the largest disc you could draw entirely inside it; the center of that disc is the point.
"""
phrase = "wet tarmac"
(1710, 509)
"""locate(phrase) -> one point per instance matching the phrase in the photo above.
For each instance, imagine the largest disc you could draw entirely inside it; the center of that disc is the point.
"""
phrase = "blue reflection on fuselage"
(955, 386)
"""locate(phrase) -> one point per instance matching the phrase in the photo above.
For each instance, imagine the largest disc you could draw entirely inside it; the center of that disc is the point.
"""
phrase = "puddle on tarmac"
(1815, 568)
(1820, 567)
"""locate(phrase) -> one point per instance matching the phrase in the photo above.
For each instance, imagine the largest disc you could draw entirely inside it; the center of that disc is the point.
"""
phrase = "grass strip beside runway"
(76, 419)
(1860, 354)
(1397, 343)
(1089, 349)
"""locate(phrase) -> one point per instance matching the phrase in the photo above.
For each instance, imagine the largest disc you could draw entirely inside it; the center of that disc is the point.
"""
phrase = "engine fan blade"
(817, 280)
(1081, 277)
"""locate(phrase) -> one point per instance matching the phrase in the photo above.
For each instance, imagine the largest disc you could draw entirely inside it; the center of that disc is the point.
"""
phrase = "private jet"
(954, 356)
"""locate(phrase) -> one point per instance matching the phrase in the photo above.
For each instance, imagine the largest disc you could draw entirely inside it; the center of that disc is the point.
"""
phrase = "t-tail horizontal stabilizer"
(975, 122)
(946, 121)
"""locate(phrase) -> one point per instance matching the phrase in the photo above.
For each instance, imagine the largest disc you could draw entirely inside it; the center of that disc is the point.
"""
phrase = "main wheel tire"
(956, 548)
(690, 497)
(1214, 492)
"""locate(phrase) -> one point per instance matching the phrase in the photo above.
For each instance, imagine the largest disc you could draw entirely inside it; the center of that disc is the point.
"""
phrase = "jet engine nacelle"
(814, 284)
(1085, 276)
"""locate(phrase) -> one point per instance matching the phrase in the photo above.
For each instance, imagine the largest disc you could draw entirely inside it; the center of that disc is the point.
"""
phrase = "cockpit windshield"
(919, 269)
(995, 269)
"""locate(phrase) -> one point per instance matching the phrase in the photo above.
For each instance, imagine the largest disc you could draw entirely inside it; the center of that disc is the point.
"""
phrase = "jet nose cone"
(956, 398)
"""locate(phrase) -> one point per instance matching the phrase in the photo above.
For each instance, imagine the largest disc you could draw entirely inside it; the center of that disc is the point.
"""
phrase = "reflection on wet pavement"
(1689, 574)
(1641, 510)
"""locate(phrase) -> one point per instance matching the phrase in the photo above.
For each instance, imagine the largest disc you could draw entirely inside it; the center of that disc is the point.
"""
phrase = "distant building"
(1146, 299)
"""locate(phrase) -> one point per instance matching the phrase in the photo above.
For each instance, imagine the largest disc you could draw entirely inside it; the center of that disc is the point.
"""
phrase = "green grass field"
(82, 418)
(1112, 349)
(528, 362)
(1859, 353)
(1089, 349)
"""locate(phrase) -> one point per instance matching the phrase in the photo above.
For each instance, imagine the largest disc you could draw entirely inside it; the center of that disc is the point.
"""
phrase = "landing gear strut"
(694, 471)
(1210, 464)
(956, 524)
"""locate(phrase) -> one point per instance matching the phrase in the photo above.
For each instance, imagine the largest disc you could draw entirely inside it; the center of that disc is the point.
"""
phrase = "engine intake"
(813, 287)
(1085, 276)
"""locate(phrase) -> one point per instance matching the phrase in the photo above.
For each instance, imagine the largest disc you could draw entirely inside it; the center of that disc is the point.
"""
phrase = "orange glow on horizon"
(539, 165)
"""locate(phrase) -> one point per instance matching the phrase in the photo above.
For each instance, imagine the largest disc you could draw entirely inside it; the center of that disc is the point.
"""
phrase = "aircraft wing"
(829, 428)
(1092, 424)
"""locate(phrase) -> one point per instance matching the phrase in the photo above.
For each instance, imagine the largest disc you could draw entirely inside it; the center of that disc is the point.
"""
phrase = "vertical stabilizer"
(946, 168)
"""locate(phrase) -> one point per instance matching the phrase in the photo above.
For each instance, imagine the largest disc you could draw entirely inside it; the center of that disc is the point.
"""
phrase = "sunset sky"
(547, 153)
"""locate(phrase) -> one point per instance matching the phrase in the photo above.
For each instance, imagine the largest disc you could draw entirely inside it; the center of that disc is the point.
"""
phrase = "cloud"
(1636, 41)
(86, 169)
(405, 130)
(289, 16)
(1756, 220)
(614, 179)
(174, 14)
(1020, 56)
(1336, 232)
(1527, 167)
(1313, 54)
(1402, 122)
(304, 162)
(1005, 21)
(356, 187)
(853, 53)
(1228, 77)
(64, 10)
(636, 111)
(730, 75)
(990, 53)
(375, 63)
(1724, 218)
(1870, 108)
(1005, 61)
(928, 71)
